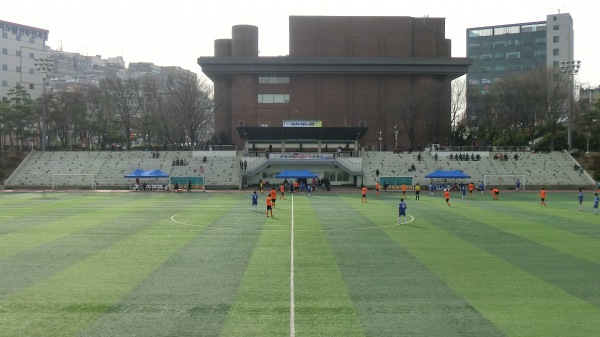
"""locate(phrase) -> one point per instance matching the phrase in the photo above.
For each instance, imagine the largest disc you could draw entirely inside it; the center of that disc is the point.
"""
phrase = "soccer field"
(204, 264)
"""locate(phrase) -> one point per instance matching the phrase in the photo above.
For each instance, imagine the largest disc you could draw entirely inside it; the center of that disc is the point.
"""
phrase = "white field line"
(292, 304)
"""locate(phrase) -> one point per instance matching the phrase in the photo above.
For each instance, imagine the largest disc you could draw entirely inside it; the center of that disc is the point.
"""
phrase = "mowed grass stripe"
(550, 227)
(515, 301)
(570, 273)
(262, 305)
(70, 224)
(323, 305)
(30, 266)
(66, 302)
(35, 208)
(192, 292)
(394, 293)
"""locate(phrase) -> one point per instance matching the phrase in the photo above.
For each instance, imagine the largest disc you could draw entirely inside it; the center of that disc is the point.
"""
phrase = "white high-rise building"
(20, 45)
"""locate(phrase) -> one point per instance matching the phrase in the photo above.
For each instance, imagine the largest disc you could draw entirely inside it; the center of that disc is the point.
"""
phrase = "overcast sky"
(176, 33)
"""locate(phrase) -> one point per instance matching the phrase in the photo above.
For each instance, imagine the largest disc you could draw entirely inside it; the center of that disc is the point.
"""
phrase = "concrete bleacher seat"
(110, 167)
(554, 170)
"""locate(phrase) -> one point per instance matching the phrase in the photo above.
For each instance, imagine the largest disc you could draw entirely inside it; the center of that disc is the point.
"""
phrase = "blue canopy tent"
(135, 174)
(154, 174)
(139, 173)
(296, 174)
(441, 174)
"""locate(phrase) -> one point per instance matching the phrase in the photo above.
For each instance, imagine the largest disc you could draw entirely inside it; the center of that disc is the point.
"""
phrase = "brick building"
(378, 73)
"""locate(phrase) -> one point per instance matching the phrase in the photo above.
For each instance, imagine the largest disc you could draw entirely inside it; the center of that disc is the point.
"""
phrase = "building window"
(31, 86)
(513, 55)
(18, 69)
(18, 53)
(555, 64)
(486, 45)
(486, 57)
(555, 39)
(31, 56)
(264, 125)
(32, 39)
(539, 53)
(556, 27)
(499, 56)
(18, 37)
(273, 79)
(5, 83)
(5, 67)
(481, 32)
(499, 44)
(31, 71)
(554, 18)
(555, 52)
(4, 51)
(4, 35)
(273, 98)
(241, 123)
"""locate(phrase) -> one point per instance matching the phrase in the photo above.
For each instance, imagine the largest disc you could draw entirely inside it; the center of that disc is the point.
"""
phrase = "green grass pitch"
(204, 264)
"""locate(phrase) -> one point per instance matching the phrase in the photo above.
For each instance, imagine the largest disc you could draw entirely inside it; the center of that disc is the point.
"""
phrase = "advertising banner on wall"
(298, 123)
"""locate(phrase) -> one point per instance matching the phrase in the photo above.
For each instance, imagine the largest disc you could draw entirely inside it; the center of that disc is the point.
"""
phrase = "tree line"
(154, 111)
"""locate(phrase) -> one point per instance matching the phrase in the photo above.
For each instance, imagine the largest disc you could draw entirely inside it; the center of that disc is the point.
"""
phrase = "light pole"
(44, 66)
(587, 135)
(380, 141)
(570, 69)
(395, 137)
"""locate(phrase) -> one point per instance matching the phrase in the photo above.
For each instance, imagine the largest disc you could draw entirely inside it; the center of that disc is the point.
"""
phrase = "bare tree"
(125, 94)
(191, 103)
(458, 100)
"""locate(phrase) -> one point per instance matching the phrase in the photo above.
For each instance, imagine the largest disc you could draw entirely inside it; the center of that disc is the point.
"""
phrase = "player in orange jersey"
(273, 195)
(543, 197)
(447, 196)
(364, 194)
(282, 191)
(495, 193)
(269, 206)
(377, 188)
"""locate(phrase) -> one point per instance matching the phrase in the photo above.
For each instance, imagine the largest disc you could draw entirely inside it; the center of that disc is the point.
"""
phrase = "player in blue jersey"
(402, 211)
(254, 201)
(580, 196)
(596, 200)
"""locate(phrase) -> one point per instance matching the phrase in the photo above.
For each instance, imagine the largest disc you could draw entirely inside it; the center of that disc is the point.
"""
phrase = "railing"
(455, 148)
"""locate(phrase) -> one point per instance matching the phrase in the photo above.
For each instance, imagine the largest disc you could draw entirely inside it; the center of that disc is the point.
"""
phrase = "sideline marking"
(292, 304)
